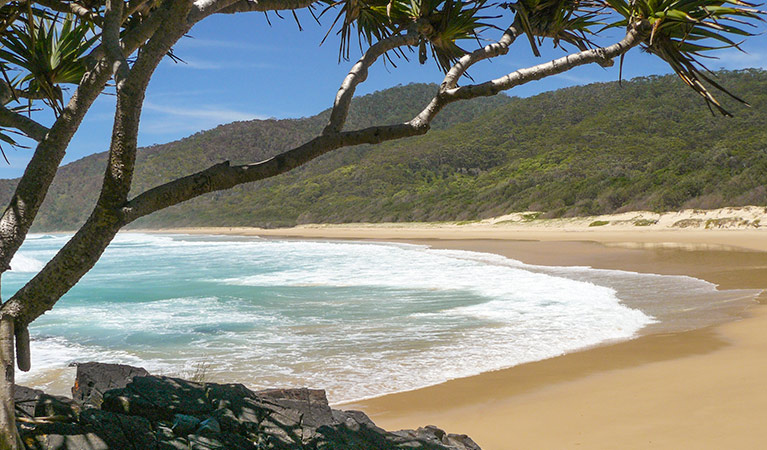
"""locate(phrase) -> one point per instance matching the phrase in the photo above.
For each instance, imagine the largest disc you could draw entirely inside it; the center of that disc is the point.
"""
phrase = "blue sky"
(238, 67)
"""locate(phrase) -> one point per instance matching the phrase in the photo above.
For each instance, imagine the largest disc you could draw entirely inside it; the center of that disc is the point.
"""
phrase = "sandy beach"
(694, 389)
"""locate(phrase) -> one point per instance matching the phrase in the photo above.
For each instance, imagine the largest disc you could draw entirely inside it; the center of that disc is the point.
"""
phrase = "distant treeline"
(649, 143)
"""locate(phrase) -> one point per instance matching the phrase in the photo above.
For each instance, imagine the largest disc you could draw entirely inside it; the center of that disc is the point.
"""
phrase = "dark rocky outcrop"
(62, 408)
(26, 399)
(93, 379)
(145, 412)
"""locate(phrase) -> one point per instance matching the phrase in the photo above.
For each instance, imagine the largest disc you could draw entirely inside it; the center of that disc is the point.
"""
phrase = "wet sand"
(696, 389)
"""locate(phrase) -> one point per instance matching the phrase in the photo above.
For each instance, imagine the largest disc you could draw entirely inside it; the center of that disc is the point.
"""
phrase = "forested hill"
(76, 186)
(649, 143)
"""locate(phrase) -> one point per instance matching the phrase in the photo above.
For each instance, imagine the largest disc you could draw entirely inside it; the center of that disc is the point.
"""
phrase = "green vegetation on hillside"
(586, 150)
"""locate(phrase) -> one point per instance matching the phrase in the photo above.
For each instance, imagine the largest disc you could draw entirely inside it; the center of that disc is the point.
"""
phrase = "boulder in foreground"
(138, 411)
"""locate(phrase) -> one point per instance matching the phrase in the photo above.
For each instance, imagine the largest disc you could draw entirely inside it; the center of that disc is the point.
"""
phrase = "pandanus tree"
(94, 45)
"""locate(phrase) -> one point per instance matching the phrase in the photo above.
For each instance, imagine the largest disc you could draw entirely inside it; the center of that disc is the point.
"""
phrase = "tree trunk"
(8, 435)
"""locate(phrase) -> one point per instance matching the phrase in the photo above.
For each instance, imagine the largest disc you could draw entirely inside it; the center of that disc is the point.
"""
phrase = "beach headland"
(701, 388)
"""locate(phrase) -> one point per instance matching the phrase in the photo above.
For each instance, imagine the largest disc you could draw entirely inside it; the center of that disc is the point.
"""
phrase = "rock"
(436, 437)
(362, 436)
(290, 417)
(462, 441)
(62, 408)
(232, 423)
(158, 398)
(93, 379)
(184, 425)
(120, 431)
(238, 408)
(26, 399)
(96, 430)
(61, 436)
(209, 426)
(220, 441)
(309, 406)
(353, 419)
(173, 444)
(286, 420)
(162, 413)
(167, 439)
(230, 396)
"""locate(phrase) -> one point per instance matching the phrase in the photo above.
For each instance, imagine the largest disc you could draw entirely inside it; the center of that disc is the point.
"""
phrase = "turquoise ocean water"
(357, 319)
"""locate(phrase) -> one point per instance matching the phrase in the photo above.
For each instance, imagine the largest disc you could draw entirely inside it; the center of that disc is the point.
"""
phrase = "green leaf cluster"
(440, 23)
(684, 31)
(571, 21)
(45, 52)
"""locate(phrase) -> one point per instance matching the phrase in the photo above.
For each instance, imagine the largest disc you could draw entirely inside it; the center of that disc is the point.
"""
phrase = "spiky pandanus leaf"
(440, 22)
(48, 52)
(568, 21)
(6, 133)
(372, 20)
(444, 23)
(6, 138)
(684, 31)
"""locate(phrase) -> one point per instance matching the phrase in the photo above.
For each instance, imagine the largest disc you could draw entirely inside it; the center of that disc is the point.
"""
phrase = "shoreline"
(690, 239)
(663, 390)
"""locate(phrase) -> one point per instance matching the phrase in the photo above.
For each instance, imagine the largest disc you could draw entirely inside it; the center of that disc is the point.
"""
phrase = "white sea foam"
(176, 314)
(682, 301)
(357, 319)
(143, 239)
(23, 263)
(47, 237)
(53, 356)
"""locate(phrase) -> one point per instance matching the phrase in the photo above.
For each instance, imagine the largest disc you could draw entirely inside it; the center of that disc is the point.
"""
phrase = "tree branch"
(79, 255)
(8, 435)
(22, 123)
(135, 5)
(449, 95)
(72, 8)
(489, 51)
(110, 38)
(204, 8)
(133, 39)
(34, 183)
(130, 98)
(522, 76)
(9, 93)
(358, 74)
(223, 176)
(266, 5)
(22, 349)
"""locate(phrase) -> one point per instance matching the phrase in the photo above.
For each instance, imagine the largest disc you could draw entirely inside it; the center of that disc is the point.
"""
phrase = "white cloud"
(570, 78)
(203, 112)
(176, 120)
(192, 42)
(735, 59)
(187, 93)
